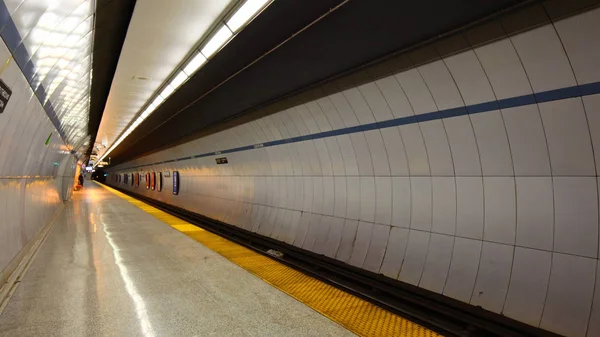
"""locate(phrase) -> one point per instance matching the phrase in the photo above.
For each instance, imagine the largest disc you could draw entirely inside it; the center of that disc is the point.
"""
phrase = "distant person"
(81, 179)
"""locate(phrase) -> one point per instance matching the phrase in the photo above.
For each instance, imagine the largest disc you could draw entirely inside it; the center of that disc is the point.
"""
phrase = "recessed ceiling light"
(245, 13)
(194, 64)
(217, 41)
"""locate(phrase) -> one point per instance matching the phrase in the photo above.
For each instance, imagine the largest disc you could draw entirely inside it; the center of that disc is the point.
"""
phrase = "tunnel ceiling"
(112, 20)
(358, 32)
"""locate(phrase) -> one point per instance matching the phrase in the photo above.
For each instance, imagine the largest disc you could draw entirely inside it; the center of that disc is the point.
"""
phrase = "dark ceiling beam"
(112, 21)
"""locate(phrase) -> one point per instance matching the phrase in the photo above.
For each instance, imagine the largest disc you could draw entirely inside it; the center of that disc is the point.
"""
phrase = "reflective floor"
(108, 268)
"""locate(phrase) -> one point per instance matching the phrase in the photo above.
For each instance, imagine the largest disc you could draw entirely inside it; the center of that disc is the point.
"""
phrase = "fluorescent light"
(245, 13)
(194, 64)
(146, 113)
(242, 16)
(167, 91)
(178, 80)
(158, 100)
(218, 40)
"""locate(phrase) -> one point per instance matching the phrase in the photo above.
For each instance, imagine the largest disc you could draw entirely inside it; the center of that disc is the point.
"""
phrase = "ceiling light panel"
(178, 80)
(158, 100)
(194, 64)
(217, 41)
(245, 13)
(167, 91)
(58, 37)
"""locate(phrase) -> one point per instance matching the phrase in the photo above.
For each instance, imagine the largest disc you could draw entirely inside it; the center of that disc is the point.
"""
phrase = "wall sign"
(222, 160)
(5, 94)
(176, 182)
(47, 139)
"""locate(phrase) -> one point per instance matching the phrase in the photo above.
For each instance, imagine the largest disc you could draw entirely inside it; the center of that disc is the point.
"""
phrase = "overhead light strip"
(194, 64)
(245, 13)
(217, 41)
(224, 33)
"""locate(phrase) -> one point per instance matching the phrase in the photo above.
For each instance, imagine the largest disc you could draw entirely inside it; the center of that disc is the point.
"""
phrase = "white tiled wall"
(498, 209)
(34, 177)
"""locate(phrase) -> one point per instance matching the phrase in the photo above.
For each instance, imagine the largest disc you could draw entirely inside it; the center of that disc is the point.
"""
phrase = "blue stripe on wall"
(14, 42)
(546, 96)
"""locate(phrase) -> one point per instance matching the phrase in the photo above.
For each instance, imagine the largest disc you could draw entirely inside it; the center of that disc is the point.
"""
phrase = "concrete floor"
(108, 268)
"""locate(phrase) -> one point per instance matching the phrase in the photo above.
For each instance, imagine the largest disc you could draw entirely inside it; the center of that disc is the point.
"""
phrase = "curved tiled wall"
(473, 176)
(35, 177)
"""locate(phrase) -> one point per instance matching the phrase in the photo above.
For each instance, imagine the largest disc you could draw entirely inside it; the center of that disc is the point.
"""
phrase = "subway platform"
(109, 268)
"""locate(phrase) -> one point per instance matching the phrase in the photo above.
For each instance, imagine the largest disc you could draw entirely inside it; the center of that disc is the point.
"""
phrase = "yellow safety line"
(355, 314)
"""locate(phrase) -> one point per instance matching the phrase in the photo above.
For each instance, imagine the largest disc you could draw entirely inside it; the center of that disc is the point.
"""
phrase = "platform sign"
(222, 160)
(176, 182)
(5, 94)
